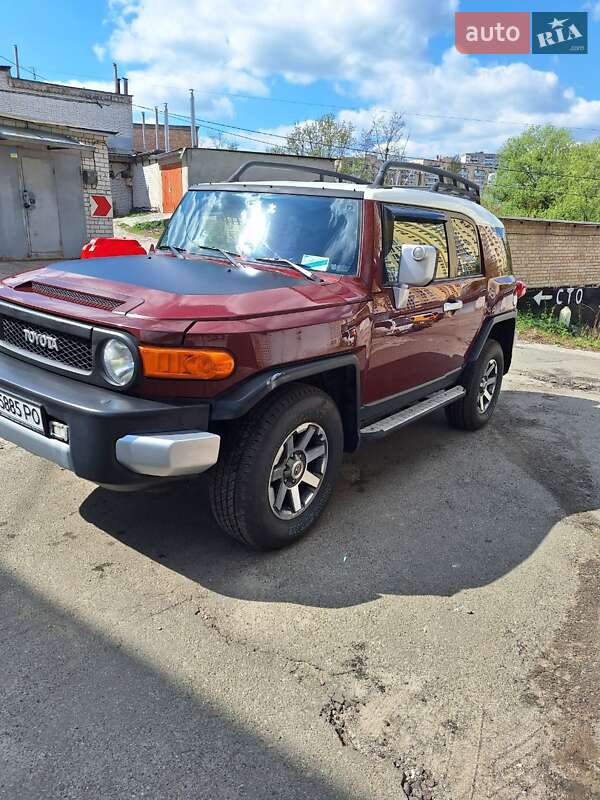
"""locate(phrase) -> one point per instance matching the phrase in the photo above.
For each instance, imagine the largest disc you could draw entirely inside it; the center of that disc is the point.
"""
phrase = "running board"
(410, 414)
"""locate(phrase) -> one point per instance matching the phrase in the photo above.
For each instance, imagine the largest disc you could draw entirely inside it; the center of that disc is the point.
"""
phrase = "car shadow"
(426, 511)
(86, 716)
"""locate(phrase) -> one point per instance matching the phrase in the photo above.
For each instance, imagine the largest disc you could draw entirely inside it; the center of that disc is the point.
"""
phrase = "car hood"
(200, 288)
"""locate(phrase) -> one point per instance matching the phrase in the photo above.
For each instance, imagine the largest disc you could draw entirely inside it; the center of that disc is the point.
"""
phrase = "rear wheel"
(482, 385)
(278, 467)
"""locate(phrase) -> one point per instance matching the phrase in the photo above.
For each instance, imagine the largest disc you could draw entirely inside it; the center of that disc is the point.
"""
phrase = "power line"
(211, 125)
(35, 74)
(342, 107)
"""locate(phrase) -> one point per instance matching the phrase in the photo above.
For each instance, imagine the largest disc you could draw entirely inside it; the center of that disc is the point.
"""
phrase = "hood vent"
(71, 296)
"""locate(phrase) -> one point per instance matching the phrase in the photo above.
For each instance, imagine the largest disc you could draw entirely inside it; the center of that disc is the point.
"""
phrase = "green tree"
(581, 198)
(321, 137)
(221, 143)
(384, 139)
(530, 180)
(455, 164)
(361, 154)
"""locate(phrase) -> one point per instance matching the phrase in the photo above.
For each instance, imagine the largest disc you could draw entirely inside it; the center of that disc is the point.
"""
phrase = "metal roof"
(32, 136)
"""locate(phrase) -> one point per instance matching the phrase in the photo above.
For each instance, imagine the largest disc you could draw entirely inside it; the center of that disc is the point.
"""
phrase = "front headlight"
(118, 362)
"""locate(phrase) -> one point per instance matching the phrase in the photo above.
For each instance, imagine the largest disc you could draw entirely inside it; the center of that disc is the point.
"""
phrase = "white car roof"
(392, 194)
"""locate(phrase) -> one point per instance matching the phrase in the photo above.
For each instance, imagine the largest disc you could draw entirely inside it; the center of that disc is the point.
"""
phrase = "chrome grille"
(72, 351)
(72, 296)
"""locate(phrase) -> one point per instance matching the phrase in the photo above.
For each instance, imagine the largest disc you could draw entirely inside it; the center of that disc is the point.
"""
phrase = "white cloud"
(461, 105)
(99, 51)
(236, 46)
(375, 50)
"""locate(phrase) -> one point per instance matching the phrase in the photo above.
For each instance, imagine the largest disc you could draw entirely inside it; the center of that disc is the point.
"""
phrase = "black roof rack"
(448, 182)
(341, 176)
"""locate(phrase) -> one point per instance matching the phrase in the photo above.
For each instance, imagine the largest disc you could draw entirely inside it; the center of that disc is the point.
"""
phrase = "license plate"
(20, 411)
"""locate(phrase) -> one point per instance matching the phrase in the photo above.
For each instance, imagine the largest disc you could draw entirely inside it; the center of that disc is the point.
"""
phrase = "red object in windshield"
(103, 247)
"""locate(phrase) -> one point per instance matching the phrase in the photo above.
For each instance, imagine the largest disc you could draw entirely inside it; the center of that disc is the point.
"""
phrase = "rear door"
(471, 283)
(417, 349)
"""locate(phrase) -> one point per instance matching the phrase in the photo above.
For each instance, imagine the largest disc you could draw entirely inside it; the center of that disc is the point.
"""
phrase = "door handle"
(453, 305)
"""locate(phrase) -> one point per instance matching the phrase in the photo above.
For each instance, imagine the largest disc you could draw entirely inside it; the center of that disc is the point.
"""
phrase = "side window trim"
(443, 220)
(452, 246)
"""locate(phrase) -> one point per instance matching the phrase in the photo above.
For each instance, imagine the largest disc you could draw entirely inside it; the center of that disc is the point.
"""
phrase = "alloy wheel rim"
(298, 470)
(487, 386)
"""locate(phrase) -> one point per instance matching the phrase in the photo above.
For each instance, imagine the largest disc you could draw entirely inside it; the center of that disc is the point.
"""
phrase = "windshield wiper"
(227, 254)
(279, 260)
(177, 251)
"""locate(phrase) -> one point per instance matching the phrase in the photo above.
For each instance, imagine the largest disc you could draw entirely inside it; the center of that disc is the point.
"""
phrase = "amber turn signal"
(175, 362)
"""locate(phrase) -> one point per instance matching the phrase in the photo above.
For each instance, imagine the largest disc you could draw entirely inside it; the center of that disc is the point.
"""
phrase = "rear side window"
(416, 233)
(468, 255)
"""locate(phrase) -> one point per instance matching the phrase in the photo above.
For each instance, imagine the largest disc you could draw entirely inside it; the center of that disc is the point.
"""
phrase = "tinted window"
(416, 233)
(322, 233)
(468, 257)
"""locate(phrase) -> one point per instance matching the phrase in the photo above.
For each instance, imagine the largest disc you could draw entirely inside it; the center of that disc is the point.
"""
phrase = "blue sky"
(298, 61)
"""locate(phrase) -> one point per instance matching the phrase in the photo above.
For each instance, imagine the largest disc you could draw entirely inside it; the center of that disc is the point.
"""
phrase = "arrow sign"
(540, 296)
(101, 205)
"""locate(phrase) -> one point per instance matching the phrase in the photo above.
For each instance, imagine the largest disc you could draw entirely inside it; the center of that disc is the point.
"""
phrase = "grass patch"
(546, 328)
(153, 227)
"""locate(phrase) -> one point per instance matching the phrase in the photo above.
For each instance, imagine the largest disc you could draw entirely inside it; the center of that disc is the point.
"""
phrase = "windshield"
(321, 233)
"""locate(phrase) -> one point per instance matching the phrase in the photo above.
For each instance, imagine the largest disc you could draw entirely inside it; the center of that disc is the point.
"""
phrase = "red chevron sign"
(101, 205)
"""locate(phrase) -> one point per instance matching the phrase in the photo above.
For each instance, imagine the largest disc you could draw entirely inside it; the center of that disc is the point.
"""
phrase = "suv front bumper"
(114, 439)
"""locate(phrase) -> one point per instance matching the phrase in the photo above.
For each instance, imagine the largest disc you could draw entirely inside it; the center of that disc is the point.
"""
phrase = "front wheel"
(278, 467)
(482, 386)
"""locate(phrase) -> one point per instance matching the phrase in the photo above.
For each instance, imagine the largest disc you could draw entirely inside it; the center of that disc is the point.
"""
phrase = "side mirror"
(416, 267)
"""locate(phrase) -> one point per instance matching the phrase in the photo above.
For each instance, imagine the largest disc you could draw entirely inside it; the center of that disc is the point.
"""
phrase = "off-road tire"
(465, 413)
(240, 480)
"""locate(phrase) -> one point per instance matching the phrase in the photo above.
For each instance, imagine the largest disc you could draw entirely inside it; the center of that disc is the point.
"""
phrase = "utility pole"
(193, 118)
(156, 137)
(166, 128)
(144, 131)
(17, 61)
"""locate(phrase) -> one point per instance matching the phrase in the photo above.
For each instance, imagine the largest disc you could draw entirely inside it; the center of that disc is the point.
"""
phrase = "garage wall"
(12, 223)
(67, 170)
(553, 252)
(69, 105)
(121, 195)
(74, 198)
(147, 189)
(207, 164)
(96, 159)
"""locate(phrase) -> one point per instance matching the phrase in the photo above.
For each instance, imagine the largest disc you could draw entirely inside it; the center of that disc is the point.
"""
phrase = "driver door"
(418, 348)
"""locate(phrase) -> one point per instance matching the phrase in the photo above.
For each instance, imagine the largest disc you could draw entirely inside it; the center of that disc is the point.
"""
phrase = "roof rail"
(448, 182)
(341, 176)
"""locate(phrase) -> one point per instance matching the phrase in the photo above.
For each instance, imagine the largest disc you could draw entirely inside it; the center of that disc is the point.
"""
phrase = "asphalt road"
(443, 618)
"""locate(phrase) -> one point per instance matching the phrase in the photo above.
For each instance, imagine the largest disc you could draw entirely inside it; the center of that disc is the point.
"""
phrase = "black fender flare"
(484, 335)
(242, 398)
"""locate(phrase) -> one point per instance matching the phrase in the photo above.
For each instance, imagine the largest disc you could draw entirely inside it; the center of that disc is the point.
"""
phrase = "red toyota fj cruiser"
(276, 325)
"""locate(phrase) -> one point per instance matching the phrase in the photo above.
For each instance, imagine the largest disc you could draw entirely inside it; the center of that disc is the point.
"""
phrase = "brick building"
(554, 252)
(57, 145)
(180, 136)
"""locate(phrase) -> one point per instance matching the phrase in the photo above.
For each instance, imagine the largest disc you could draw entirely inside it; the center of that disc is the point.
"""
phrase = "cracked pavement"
(436, 636)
